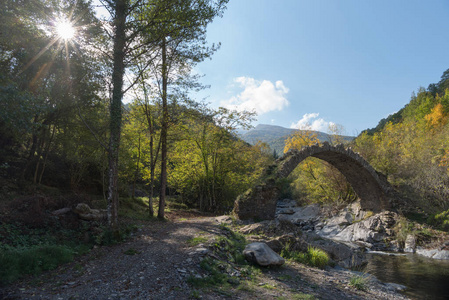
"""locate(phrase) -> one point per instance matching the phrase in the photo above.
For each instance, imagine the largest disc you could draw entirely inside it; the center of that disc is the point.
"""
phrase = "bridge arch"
(370, 186)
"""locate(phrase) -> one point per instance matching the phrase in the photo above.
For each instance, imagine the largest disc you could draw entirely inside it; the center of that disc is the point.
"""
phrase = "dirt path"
(156, 262)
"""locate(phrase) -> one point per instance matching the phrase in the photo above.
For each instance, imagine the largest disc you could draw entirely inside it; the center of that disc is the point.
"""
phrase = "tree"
(138, 27)
(183, 45)
(209, 165)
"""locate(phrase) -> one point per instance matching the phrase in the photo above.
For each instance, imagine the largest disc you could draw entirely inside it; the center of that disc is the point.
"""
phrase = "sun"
(65, 30)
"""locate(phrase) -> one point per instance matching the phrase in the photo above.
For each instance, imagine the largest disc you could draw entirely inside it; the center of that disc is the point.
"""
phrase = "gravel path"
(156, 261)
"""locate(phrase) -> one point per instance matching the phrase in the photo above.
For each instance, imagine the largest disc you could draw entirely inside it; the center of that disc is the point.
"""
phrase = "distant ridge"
(275, 136)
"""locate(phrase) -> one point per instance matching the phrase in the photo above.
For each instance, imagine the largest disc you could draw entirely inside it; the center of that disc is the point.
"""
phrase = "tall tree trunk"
(47, 150)
(31, 153)
(121, 7)
(153, 156)
(164, 130)
(40, 149)
(137, 169)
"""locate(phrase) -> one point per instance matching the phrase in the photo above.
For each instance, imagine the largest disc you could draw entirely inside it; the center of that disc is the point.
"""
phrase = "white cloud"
(312, 122)
(259, 96)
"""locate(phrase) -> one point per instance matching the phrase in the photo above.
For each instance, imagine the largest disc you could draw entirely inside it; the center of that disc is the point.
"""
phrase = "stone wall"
(372, 187)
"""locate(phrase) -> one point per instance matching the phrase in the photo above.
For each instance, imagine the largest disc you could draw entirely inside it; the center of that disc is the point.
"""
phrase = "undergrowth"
(34, 260)
(229, 265)
(25, 250)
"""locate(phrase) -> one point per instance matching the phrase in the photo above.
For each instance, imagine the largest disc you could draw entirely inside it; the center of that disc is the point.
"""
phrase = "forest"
(102, 110)
(64, 123)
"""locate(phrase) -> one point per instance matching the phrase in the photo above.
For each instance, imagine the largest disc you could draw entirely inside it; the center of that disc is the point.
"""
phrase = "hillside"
(275, 136)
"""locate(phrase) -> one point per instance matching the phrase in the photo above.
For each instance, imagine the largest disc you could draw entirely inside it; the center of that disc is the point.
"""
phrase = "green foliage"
(314, 257)
(210, 167)
(359, 282)
(315, 181)
(441, 220)
(33, 260)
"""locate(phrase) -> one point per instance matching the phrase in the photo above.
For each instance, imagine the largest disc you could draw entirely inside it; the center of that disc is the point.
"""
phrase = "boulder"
(86, 213)
(261, 254)
(410, 243)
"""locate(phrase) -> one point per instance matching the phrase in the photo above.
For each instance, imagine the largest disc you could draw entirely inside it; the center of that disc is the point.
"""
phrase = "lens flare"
(65, 30)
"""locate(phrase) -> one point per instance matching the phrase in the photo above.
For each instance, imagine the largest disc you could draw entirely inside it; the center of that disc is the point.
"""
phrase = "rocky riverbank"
(362, 230)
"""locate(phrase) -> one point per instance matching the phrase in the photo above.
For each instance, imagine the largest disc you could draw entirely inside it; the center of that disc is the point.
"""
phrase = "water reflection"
(425, 278)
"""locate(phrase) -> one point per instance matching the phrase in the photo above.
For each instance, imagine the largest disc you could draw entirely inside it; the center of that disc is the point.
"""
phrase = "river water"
(424, 278)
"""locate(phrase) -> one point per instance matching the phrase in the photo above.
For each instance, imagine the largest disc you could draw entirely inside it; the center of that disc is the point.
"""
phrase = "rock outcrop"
(355, 228)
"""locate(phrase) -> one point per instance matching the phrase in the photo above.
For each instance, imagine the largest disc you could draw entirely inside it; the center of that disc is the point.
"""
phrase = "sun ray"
(54, 40)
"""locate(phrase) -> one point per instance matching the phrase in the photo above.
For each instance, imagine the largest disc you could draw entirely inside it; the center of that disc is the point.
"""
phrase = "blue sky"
(318, 62)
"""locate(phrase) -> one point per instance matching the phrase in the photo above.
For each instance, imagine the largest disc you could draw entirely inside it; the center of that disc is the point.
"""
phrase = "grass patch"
(268, 286)
(314, 257)
(359, 282)
(196, 241)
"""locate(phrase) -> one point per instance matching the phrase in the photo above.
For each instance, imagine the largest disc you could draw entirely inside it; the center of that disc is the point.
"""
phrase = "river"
(424, 278)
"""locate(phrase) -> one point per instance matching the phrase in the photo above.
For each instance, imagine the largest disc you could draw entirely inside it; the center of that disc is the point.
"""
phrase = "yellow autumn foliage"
(300, 139)
(437, 117)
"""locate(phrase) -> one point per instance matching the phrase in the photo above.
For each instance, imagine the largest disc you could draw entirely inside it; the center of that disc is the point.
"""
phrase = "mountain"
(275, 136)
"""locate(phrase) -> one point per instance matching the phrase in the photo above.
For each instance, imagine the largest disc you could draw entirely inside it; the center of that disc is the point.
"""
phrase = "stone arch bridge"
(371, 187)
